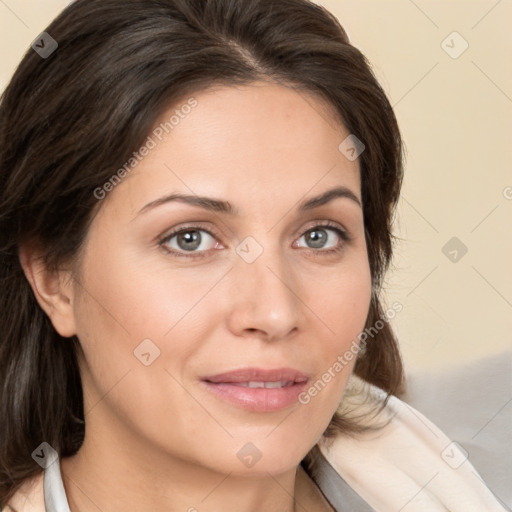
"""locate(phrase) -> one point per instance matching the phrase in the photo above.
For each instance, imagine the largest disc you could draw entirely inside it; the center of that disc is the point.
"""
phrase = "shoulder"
(406, 460)
(29, 497)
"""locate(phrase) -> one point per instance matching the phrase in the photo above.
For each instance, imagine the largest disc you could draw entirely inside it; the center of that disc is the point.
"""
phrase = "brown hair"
(69, 120)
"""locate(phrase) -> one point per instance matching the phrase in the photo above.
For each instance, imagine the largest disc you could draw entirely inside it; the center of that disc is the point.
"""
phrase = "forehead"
(261, 118)
(259, 143)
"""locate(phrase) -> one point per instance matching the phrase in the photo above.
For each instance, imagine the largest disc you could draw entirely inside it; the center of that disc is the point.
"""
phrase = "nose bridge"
(266, 299)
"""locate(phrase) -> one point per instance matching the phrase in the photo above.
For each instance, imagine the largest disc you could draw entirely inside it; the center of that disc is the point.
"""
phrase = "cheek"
(119, 305)
(342, 300)
(123, 302)
(341, 308)
(120, 308)
(130, 298)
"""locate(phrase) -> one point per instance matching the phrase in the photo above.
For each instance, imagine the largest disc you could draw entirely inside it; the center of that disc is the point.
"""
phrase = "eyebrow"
(225, 207)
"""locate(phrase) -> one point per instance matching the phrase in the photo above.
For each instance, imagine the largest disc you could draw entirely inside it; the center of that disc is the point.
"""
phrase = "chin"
(263, 456)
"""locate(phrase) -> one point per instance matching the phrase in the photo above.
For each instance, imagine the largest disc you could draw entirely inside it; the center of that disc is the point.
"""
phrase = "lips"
(257, 389)
(258, 375)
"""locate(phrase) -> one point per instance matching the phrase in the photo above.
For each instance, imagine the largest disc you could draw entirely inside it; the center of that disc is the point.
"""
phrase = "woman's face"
(160, 317)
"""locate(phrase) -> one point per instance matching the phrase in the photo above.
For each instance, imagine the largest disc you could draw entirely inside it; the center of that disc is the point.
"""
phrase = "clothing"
(406, 465)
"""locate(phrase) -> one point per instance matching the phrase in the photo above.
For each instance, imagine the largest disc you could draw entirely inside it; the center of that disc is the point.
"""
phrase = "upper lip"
(259, 375)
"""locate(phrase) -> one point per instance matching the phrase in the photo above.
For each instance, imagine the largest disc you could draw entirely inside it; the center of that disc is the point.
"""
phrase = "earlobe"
(52, 289)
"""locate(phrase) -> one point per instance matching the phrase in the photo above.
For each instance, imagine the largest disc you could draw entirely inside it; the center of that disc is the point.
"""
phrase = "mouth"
(256, 389)
(262, 384)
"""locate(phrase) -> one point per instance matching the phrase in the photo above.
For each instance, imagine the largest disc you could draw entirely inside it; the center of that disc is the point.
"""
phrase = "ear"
(53, 290)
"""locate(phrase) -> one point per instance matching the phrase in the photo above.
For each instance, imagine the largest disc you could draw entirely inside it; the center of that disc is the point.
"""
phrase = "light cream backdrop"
(455, 112)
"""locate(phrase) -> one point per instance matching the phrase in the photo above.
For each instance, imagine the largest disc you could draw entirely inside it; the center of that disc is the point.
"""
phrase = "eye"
(190, 240)
(318, 237)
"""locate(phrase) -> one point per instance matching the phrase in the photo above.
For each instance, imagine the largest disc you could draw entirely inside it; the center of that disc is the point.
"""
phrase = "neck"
(112, 477)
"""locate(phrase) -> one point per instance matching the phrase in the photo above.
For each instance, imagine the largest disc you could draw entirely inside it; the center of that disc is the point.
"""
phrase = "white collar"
(55, 499)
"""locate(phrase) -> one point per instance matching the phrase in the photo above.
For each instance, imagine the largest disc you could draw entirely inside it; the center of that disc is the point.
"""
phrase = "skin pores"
(265, 149)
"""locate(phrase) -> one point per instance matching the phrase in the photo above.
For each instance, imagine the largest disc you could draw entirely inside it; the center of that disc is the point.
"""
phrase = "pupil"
(192, 240)
(319, 235)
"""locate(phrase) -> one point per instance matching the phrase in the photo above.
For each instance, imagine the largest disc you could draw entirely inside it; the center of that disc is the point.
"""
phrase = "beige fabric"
(409, 464)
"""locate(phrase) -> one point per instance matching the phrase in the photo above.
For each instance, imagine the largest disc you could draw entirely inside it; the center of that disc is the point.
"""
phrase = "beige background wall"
(456, 119)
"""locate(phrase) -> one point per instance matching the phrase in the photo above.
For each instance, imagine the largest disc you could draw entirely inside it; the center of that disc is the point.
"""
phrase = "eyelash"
(198, 227)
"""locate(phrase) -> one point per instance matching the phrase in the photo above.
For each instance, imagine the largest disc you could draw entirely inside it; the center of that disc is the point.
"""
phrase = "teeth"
(268, 385)
(278, 384)
(254, 384)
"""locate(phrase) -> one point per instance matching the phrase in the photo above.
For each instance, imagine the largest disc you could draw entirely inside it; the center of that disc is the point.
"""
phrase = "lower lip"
(257, 399)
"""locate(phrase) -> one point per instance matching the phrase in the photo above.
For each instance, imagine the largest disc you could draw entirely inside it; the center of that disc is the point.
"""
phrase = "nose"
(265, 297)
